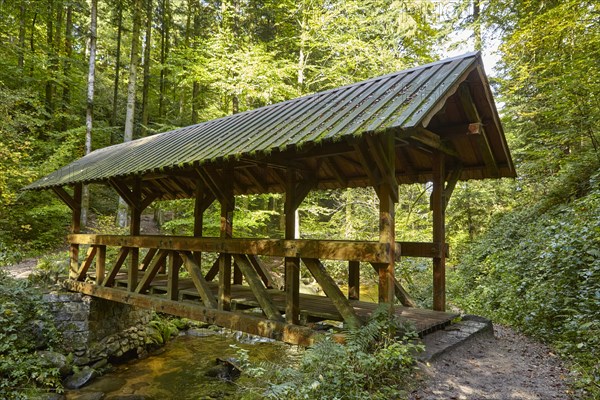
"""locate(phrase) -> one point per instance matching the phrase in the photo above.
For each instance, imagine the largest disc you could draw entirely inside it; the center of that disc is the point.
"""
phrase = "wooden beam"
(288, 333)
(100, 264)
(147, 259)
(437, 206)
(367, 164)
(173, 276)
(387, 236)
(292, 264)
(75, 228)
(332, 291)
(213, 271)
(65, 197)
(483, 144)
(451, 182)
(121, 256)
(123, 191)
(135, 209)
(256, 285)
(399, 291)
(433, 141)
(87, 263)
(193, 268)
(344, 250)
(354, 280)
(227, 207)
(258, 181)
(215, 183)
(262, 271)
(420, 249)
(336, 171)
(379, 148)
(149, 199)
(151, 272)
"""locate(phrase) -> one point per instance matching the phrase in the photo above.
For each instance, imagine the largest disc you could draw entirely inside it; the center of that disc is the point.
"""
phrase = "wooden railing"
(168, 254)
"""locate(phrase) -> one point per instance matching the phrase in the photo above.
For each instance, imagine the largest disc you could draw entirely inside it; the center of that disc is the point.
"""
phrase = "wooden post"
(75, 228)
(437, 207)
(100, 265)
(227, 207)
(173, 276)
(134, 230)
(199, 216)
(387, 235)
(387, 192)
(354, 280)
(292, 264)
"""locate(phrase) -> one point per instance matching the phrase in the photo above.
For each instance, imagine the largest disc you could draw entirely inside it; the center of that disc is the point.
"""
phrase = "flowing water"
(180, 371)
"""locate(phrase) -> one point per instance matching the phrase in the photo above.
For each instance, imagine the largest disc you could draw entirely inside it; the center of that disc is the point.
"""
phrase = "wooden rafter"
(65, 197)
(335, 170)
(386, 166)
(482, 140)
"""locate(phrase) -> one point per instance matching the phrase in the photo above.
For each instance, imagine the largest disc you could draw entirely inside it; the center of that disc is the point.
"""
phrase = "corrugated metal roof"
(399, 100)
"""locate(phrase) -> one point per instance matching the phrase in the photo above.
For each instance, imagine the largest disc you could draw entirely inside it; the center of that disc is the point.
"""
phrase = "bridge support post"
(292, 264)
(75, 228)
(227, 207)
(437, 206)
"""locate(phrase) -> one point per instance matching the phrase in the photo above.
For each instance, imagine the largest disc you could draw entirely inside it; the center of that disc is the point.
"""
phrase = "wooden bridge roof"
(443, 106)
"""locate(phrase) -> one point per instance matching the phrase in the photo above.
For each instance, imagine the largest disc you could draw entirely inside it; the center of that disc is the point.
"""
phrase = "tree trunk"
(196, 85)
(164, 52)
(66, 96)
(131, 91)
(50, 55)
(146, 84)
(32, 44)
(90, 103)
(21, 60)
(113, 121)
(477, 26)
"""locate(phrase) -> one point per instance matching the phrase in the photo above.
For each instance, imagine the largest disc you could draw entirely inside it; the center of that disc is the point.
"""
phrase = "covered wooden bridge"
(435, 123)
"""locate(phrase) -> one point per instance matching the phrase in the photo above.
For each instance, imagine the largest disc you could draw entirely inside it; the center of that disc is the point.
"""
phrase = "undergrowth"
(538, 269)
(25, 326)
(376, 362)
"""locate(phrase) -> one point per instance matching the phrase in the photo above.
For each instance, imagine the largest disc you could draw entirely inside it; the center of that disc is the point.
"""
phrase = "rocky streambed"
(186, 368)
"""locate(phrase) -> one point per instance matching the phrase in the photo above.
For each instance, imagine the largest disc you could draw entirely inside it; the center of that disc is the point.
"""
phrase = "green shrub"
(25, 326)
(376, 362)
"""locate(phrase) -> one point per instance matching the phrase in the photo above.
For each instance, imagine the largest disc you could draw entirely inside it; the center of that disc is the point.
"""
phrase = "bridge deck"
(312, 307)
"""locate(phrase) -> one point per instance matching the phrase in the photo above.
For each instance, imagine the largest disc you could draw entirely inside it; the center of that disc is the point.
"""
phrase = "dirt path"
(508, 366)
(21, 270)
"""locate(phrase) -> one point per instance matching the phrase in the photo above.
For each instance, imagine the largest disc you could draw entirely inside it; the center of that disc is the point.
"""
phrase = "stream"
(179, 372)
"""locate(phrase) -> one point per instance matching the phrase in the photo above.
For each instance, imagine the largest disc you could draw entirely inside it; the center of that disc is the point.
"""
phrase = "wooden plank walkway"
(312, 307)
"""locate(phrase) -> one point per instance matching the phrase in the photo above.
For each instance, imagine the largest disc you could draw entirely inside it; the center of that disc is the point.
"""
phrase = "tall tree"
(89, 115)
(146, 63)
(131, 92)
(113, 120)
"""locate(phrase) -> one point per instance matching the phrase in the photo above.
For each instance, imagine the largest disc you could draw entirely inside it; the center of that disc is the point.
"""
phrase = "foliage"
(161, 329)
(25, 326)
(538, 269)
(375, 362)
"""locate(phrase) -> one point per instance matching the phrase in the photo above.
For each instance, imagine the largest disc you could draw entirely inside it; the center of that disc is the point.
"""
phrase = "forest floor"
(506, 366)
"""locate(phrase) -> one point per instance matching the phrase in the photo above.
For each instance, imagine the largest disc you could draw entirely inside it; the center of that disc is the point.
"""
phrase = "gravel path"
(507, 366)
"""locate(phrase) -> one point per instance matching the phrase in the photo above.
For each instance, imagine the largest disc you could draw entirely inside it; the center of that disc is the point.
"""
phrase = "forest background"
(525, 252)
